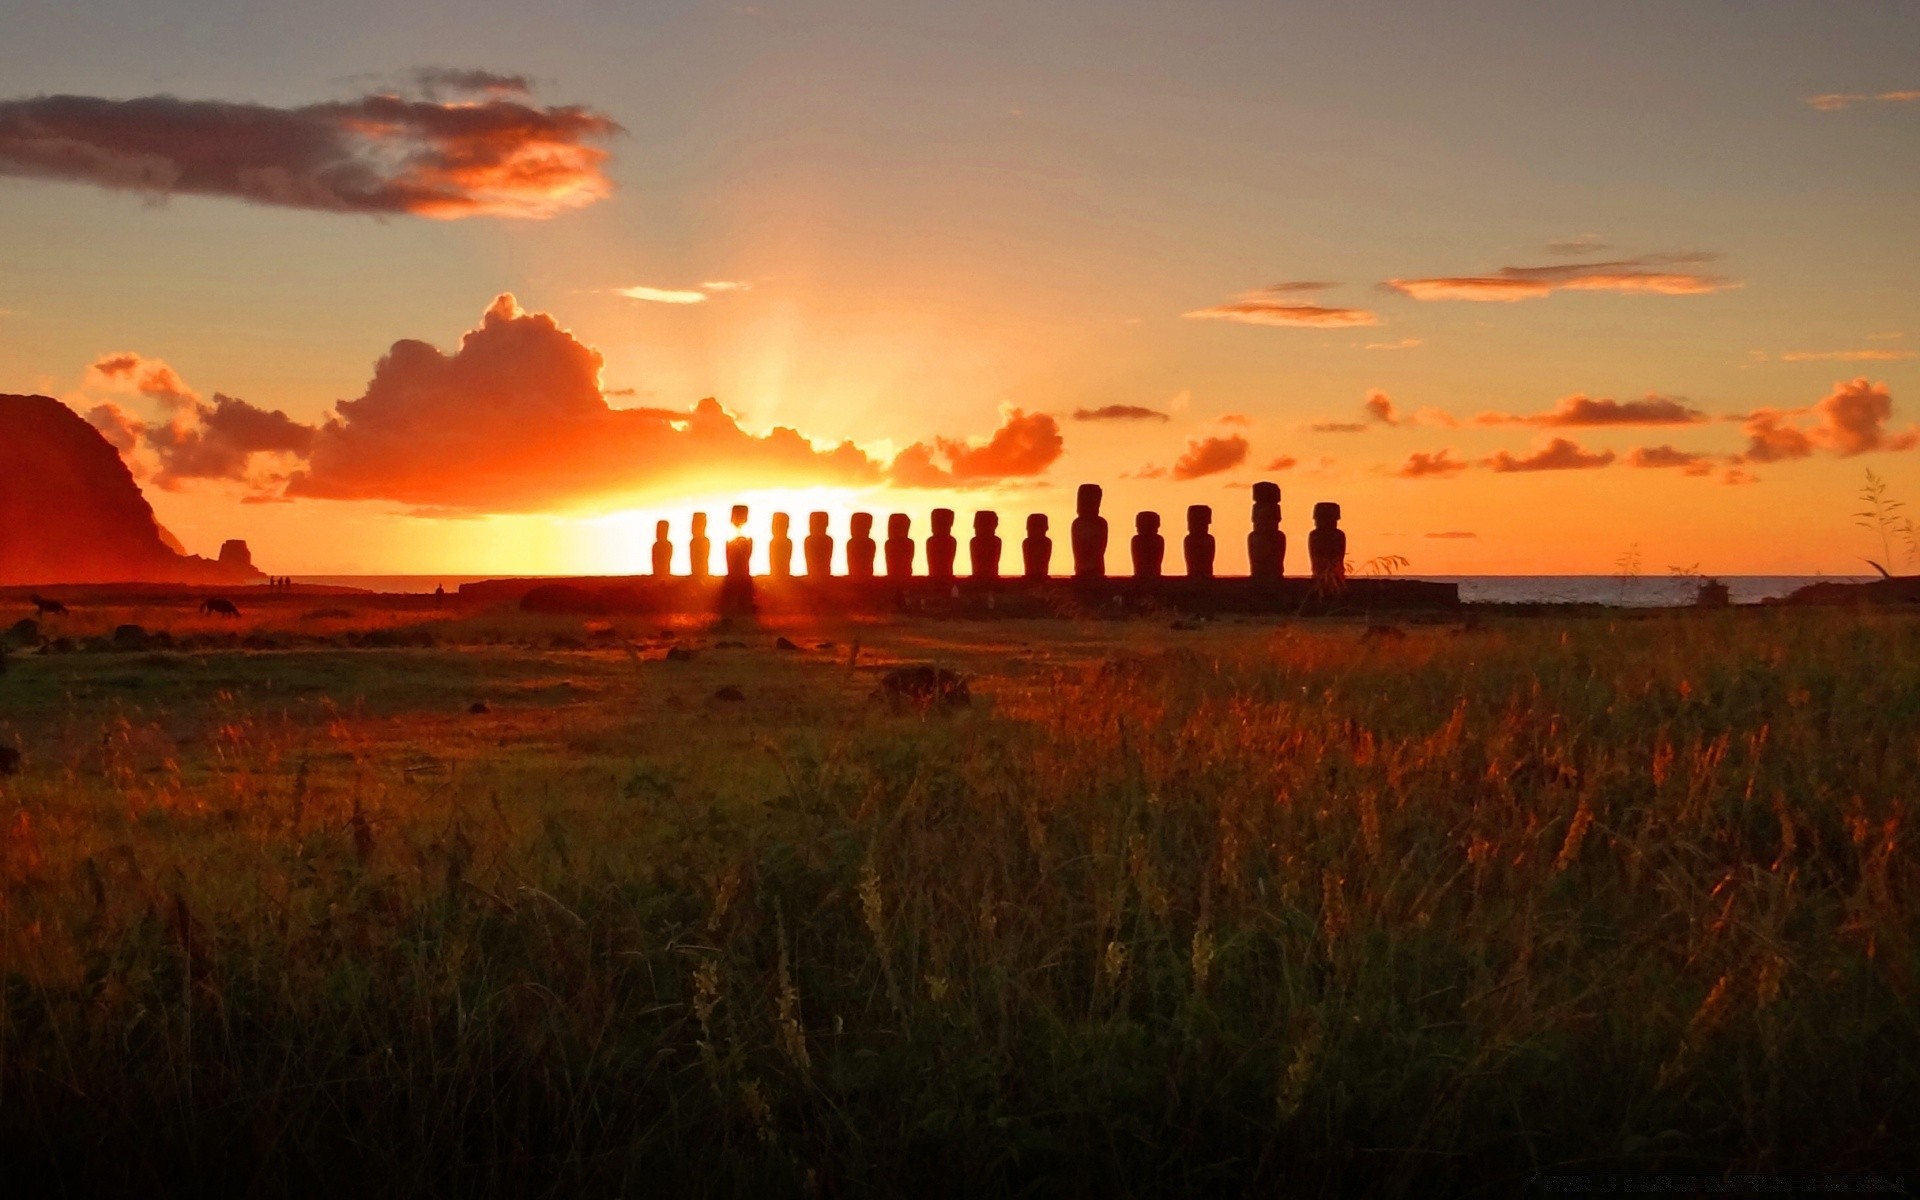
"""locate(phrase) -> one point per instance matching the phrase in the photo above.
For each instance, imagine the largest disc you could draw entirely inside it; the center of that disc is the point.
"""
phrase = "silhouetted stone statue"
(1327, 544)
(861, 548)
(662, 550)
(942, 546)
(780, 548)
(1149, 548)
(899, 547)
(737, 592)
(1036, 552)
(1266, 545)
(983, 549)
(1198, 545)
(1089, 534)
(700, 549)
(818, 548)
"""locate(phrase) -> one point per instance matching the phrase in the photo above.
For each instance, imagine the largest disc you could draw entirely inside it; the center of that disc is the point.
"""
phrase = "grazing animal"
(217, 607)
(48, 608)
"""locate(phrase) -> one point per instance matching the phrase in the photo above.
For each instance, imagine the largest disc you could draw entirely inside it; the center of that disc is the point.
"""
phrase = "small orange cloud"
(1578, 410)
(1849, 420)
(1835, 101)
(1439, 464)
(1848, 355)
(1655, 274)
(1120, 412)
(1557, 455)
(1274, 306)
(1210, 456)
(1657, 457)
(1284, 463)
(1025, 445)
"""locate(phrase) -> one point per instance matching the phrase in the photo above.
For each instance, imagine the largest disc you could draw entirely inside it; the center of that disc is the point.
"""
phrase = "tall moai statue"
(1266, 545)
(899, 547)
(1327, 544)
(861, 548)
(1036, 552)
(942, 546)
(780, 548)
(1149, 548)
(1198, 544)
(818, 548)
(983, 549)
(739, 547)
(700, 549)
(662, 550)
(1089, 534)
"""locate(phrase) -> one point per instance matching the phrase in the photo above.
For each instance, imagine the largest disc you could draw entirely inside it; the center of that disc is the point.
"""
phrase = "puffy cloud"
(1025, 445)
(1577, 410)
(1849, 420)
(514, 421)
(1437, 465)
(1658, 274)
(1278, 305)
(1210, 456)
(1120, 412)
(1835, 101)
(1557, 455)
(1687, 461)
(382, 154)
(1847, 355)
(194, 438)
(1379, 409)
(1285, 462)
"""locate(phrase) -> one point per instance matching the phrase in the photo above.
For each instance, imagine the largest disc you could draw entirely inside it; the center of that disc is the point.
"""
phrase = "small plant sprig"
(1885, 518)
(1385, 564)
(1627, 567)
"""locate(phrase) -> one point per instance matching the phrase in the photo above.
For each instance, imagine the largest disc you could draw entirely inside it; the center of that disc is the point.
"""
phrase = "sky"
(490, 288)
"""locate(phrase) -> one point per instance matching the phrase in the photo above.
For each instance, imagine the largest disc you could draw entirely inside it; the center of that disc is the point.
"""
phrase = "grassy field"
(359, 900)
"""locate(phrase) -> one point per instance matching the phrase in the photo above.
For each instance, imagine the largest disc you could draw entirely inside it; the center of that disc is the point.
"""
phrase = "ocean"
(1645, 591)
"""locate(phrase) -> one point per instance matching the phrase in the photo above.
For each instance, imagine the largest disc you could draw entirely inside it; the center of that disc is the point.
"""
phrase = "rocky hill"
(70, 511)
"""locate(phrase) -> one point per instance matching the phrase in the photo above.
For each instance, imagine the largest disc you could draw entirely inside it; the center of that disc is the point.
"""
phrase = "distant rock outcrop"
(70, 511)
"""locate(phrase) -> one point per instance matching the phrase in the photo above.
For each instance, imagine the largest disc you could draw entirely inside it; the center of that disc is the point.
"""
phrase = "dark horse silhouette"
(215, 606)
(47, 608)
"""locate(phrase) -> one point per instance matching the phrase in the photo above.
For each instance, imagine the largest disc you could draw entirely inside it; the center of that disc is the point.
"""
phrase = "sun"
(621, 543)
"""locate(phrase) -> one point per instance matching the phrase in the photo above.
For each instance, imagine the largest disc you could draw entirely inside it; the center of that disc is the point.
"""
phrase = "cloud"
(1025, 445)
(1379, 409)
(1687, 461)
(192, 438)
(1557, 455)
(1437, 465)
(514, 421)
(381, 154)
(1338, 427)
(1285, 462)
(1452, 534)
(1656, 274)
(1835, 101)
(434, 81)
(1296, 286)
(1210, 456)
(1275, 306)
(1736, 476)
(1586, 243)
(1402, 344)
(1848, 355)
(662, 295)
(1585, 411)
(1240, 419)
(1849, 420)
(1120, 412)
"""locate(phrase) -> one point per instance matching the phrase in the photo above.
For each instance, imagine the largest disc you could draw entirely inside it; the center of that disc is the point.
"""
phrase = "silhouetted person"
(700, 549)
(899, 547)
(1089, 535)
(818, 548)
(1327, 544)
(861, 548)
(780, 549)
(942, 546)
(662, 550)
(439, 594)
(1198, 545)
(1036, 552)
(1149, 548)
(983, 549)
(1266, 545)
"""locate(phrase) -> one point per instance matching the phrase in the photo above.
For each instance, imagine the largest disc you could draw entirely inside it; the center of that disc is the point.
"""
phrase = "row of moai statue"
(1266, 544)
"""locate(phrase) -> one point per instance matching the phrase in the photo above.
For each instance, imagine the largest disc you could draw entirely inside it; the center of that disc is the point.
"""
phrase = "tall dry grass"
(1299, 913)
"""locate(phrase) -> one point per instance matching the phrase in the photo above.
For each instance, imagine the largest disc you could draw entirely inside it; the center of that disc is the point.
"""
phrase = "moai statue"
(1036, 552)
(1327, 544)
(861, 549)
(780, 548)
(700, 549)
(739, 547)
(983, 549)
(1198, 545)
(899, 547)
(942, 546)
(1089, 535)
(1149, 548)
(662, 550)
(818, 547)
(1266, 545)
